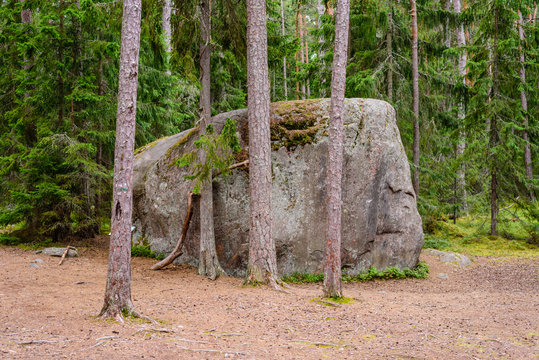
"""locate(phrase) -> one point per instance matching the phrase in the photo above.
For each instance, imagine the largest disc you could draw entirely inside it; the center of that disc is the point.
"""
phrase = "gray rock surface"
(380, 226)
(59, 251)
(449, 257)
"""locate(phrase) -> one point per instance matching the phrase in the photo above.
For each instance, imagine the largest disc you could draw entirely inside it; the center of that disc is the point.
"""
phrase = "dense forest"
(470, 128)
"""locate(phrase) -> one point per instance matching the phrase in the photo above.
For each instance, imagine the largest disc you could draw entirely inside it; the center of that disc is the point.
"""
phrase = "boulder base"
(380, 225)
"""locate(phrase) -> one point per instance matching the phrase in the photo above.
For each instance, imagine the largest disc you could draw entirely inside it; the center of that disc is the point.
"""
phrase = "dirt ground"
(489, 310)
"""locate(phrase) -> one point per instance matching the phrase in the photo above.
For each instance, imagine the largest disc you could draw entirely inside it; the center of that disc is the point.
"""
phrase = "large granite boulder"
(380, 226)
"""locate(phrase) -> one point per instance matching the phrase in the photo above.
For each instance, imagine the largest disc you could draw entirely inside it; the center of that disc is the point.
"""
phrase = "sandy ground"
(489, 310)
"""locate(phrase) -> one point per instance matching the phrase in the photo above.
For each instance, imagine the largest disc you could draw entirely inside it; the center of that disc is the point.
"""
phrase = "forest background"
(59, 63)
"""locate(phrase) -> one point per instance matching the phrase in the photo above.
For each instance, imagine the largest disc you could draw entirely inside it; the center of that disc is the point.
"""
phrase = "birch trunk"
(118, 290)
(167, 32)
(461, 142)
(332, 266)
(262, 266)
(208, 262)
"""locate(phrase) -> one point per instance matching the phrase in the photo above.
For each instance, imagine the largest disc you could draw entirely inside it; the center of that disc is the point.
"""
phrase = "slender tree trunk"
(332, 266)
(494, 134)
(415, 86)
(118, 291)
(26, 18)
(61, 92)
(167, 32)
(208, 261)
(524, 103)
(447, 32)
(307, 62)
(461, 142)
(302, 51)
(389, 47)
(262, 266)
(283, 33)
(321, 54)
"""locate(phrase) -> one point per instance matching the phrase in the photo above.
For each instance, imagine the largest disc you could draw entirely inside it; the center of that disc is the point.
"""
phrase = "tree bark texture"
(167, 32)
(118, 291)
(332, 263)
(208, 263)
(524, 104)
(262, 266)
(283, 33)
(415, 105)
(461, 142)
(494, 135)
(61, 60)
(26, 18)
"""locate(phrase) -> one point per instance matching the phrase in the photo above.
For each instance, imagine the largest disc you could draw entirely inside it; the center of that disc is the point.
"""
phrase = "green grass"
(421, 271)
(145, 251)
(470, 235)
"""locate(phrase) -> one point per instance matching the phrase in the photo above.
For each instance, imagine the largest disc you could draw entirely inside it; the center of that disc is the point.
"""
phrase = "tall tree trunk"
(494, 134)
(461, 142)
(332, 266)
(283, 33)
(302, 51)
(262, 266)
(61, 92)
(415, 86)
(307, 62)
(524, 103)
(167, 32)
(26, 18)
(208, 261)
(118, 291)
(321, 54)
(389, 49)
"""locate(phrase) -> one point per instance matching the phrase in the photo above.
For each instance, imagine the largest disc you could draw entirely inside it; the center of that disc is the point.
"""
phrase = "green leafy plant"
(145, 251)
(219, 152)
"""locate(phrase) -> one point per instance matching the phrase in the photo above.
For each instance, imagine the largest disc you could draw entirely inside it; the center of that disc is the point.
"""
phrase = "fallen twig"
(192, 341)
(65, 254)
(37, 342)
(214, 351)
(106, 337)
(233, 166)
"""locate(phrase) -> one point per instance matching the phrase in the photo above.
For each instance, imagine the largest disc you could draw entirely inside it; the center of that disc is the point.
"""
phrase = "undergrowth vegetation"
(421, 271)
(519, 234)
(145, 251)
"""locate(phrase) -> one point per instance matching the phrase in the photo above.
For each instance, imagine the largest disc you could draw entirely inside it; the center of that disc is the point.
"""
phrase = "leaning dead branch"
(178, 249)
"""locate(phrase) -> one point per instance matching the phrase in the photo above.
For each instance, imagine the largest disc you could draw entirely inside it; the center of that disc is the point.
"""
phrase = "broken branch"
(178, 249)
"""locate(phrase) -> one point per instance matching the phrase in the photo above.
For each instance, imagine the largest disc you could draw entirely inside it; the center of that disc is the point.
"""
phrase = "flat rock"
(450, 257)
(443, 276)
(59, 251)
(380, 223)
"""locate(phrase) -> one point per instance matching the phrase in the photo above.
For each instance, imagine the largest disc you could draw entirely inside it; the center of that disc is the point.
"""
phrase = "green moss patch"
(294, 123)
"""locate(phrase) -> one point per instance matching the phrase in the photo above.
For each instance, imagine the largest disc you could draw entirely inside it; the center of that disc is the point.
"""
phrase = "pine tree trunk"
(167, 32)
(494, 135)
(262, 266)
(26, 18)
(415, 85)
(283, 33)
(302, 52)
(524, 103)
(461, 142)
(118, 291)
(332, 266)
(307, 62)
(61, 61)
(389, 48)
(321, 54)
(208, 261)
